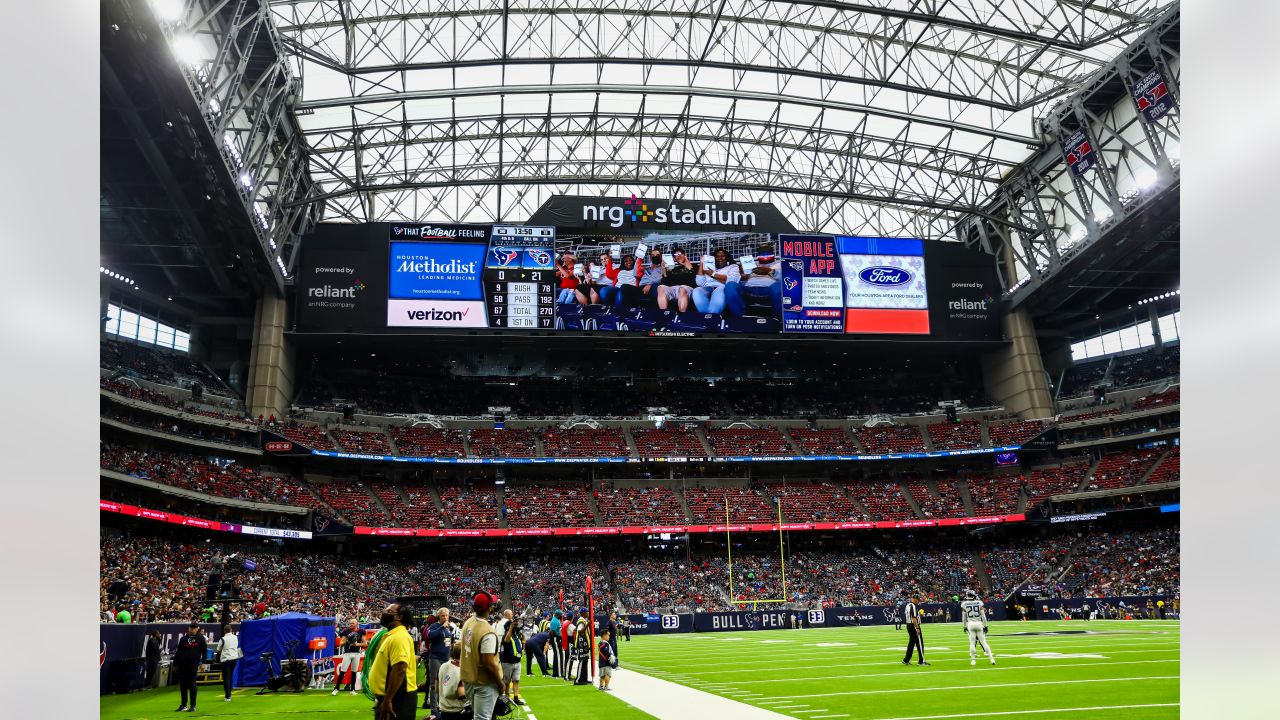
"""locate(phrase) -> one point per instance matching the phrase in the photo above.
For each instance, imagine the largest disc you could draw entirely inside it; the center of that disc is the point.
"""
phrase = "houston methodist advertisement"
(383, 277)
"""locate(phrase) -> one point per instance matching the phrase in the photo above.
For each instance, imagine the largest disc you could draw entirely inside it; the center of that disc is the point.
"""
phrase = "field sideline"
(1115, 669)
(1100, 669)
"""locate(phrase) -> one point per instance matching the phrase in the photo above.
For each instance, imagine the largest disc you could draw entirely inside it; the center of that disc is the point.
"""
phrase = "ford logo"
(884, 275)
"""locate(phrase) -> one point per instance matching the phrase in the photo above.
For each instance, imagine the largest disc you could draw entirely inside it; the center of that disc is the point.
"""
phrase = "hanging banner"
(1079, 152)
(1153, 96)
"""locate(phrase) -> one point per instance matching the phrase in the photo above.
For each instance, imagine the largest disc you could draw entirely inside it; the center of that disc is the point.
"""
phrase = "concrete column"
(1014, 375)
(271, 361)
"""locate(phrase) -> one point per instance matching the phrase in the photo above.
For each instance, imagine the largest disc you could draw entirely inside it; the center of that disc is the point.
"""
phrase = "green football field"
(1100, 669)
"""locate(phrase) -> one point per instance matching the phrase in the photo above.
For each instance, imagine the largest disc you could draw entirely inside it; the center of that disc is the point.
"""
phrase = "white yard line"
(974, 687)
(1032, 712)
(985, 668)
(671, 701)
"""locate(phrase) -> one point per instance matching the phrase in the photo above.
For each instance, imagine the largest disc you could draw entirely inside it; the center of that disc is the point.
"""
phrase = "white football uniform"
(974, 617)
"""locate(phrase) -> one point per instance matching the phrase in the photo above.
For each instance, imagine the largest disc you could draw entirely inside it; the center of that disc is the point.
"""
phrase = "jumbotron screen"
(405, 278)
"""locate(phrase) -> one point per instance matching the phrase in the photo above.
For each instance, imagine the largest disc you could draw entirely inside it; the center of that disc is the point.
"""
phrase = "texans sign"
(1079, 152)
(1152, 96)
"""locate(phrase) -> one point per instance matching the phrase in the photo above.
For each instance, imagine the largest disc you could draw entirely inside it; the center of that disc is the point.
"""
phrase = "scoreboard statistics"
(520, 277)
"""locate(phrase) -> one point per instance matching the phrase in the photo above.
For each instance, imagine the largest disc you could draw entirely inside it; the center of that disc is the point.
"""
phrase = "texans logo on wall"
(102, 656)
(888, 614)
(320, 523)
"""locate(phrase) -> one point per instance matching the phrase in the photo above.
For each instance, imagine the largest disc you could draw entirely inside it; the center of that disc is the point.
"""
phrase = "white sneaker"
(972, 662)
(335, 691)
(993, 661)
(353, 692)
(226, 699)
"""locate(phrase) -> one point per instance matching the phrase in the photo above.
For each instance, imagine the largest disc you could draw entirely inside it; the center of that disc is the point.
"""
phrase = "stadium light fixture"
(187, 50)
(1145, 177)
(169, 11)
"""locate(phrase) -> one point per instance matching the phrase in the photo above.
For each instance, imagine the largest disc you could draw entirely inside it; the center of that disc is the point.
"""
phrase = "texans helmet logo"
(790, 283)
(321, 523)
(399, 230)
(504, 256)
(1152, 96)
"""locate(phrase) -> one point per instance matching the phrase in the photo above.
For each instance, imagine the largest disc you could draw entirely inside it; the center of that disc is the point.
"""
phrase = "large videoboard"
(513, 278)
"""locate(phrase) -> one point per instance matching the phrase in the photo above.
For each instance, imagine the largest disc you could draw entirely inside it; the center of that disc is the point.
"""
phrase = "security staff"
(557, 650)
(535, 649)
(582, 645)
(911, 617)
(393, 678)
(186, 661)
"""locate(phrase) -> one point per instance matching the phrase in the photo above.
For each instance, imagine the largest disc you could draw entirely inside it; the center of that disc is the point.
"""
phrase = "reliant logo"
(636, 209)
(437, 315)
(329, 291)
(967, 304)
(885, 276)
(432, 266)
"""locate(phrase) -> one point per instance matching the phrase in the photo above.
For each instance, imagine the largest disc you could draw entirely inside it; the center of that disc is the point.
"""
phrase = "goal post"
(782, 558)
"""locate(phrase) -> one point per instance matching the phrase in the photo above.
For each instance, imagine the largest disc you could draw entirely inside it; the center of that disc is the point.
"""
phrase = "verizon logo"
(436, 314)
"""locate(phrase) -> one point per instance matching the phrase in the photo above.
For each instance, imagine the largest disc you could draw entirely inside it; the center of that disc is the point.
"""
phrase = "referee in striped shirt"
(911, 616)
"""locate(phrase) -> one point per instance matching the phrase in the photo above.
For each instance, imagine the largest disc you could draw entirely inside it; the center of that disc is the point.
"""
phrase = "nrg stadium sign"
(641, 215)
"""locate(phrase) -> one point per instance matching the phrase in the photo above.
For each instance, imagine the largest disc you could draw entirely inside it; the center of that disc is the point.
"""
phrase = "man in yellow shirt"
(394, 675)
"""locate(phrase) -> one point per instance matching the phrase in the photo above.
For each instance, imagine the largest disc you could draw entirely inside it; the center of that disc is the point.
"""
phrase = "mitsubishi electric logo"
(639, 210)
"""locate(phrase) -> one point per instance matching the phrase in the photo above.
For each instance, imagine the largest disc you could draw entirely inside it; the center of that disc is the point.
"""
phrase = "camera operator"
(509, 654)
(481, 672)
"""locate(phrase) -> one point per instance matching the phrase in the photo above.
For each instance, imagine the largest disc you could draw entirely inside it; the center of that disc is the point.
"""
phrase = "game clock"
(520, 277)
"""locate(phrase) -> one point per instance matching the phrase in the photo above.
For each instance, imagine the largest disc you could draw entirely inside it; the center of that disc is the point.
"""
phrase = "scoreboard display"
(520, 277)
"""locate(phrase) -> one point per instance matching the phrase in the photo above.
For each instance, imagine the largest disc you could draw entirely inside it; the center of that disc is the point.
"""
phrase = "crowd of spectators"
(1122, 469)
(176, 426)
(707, 505)
(994, 494)
(811, 502)
(547, 506)
(368, 442)
(425, 441)
(163, 577)
(353, 501)
(470, 505)
(1147, 366)
(657, 505)
(824, 441)
(1015, 432)
(962, 435)
(890, 438)
(762, 441)
(1135, 562)
(1169, 469)
(585, 442)
(668, 442)
(503, 443)
(159, 366)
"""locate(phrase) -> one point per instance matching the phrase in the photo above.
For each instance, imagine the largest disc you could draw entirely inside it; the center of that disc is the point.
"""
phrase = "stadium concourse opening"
(639, 360)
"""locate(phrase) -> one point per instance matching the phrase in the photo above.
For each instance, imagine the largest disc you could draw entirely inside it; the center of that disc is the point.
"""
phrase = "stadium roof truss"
(883, 117)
